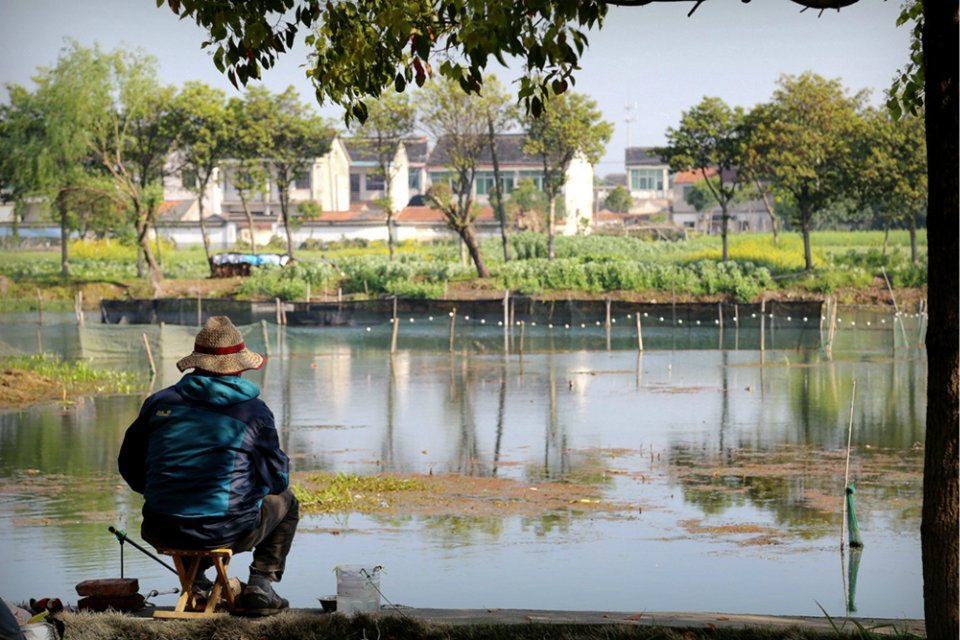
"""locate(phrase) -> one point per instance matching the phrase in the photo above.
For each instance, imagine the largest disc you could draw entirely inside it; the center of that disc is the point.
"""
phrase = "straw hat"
(219, 348)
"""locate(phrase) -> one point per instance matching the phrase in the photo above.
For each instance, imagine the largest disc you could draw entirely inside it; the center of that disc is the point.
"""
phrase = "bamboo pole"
(736, 330)
(763, 324)
(833, 325)
(276, 302)
(906, 341)
(308, 292)
(453, 323)
(846, 472)
(266, 337)
(639, 334)
(396, 327)
(506, 321)
(522, 326)
(153, 365)
(80, 308)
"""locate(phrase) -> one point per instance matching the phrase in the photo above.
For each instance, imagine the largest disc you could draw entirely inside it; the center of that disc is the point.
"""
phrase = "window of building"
(354, 183)
(414, 183)
(374, 182)
(440, 177)
(646, 179)
(188, 178)
(536, 176)
(302, 180)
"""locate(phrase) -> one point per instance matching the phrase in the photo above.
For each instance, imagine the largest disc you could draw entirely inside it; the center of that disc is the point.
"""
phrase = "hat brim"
(228, 364)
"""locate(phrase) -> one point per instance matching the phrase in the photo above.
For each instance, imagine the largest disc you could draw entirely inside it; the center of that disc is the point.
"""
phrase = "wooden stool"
(187, 561)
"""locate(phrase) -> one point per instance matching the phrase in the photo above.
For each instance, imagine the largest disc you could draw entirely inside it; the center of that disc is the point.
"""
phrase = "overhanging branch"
(806, 4)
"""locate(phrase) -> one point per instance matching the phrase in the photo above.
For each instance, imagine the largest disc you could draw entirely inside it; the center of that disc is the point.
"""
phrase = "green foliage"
(348, 492)
(76, 375)
(618, 200)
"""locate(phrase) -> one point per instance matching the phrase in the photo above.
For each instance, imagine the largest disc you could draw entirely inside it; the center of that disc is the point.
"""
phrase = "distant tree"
(390, 119)
(527, 205)
(708, 140)
(802, 139)
(619, 200)
(297, 138)
(204, 132)
(571, 125)
(248, 173)
(892, 155)
(458, 121)
(45, 140)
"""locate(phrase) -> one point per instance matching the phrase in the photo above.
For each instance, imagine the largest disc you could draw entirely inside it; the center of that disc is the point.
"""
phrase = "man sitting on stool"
(205, 455)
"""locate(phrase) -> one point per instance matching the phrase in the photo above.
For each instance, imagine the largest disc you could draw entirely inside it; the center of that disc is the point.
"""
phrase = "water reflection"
(725, 437)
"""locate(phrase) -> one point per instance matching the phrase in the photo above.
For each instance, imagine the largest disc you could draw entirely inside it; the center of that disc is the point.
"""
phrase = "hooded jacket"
(204, 453)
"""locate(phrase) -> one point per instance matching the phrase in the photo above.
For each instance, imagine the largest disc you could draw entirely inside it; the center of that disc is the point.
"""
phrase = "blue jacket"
(204, 453)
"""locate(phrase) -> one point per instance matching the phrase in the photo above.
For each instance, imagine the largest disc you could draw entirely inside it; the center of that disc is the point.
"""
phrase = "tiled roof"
(417, 150)
(429, 214)
(509, 153)
(362, 149)
(173, 210)
(695, 175)
(643, 156)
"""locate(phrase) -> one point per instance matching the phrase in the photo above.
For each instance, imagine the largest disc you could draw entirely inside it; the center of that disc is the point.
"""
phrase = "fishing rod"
(122, 537)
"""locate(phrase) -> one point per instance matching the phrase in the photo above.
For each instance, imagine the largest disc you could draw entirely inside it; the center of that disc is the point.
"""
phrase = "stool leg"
(222, 563)
(187, 573)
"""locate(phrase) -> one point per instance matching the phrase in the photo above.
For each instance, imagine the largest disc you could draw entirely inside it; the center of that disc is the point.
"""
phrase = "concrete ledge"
(656, 618)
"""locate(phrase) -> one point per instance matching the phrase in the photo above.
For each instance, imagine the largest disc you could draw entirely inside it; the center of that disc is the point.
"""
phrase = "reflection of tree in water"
(462, 530)
(887, 411)
(556, 461)
(800, 487)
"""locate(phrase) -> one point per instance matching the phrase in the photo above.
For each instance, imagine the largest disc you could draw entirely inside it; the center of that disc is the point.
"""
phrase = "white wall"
(578, 194)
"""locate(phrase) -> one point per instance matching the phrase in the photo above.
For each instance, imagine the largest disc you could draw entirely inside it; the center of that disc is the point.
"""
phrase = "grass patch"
(311, 626)
(29, 379)
(343, 492)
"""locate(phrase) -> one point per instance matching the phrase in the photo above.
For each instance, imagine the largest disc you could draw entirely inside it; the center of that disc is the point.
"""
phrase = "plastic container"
(358, 589)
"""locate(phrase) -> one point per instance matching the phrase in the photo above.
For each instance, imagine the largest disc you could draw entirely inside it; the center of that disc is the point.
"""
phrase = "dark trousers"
(270, 541)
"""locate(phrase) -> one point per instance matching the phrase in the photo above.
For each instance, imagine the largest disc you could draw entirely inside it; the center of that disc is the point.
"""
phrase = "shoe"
(259, 595)
(202, 585)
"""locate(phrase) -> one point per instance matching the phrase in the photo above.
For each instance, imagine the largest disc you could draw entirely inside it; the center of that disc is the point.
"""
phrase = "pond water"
(730, 462)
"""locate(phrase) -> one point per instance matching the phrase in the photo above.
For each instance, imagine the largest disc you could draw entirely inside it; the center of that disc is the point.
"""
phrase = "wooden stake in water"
(396, 326)
(763, 324)
(266, 337)
(639, 334)
(39, 307)
(736, 330)
(199, 311)
(506, 321)
(276, 302)
(153, 365)
(80, 308)
(846, 472)
(308, 293)
(453, 323)
(906, 341)
(522, 326)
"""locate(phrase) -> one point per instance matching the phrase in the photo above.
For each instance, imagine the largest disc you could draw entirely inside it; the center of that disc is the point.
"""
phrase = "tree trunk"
(64, 239)
(550, 220)
(498, 186)
(805, 229)
(143, 240)
(246, 212)
(470, 240)
(769, 209)
(724, 223)
(913, 239)
(886, 237)
(390, 244)
(939, 524)
(285, 214)
(203, 231)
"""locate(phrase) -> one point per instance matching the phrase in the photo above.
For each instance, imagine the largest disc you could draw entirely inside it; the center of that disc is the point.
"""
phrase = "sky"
(645, 67)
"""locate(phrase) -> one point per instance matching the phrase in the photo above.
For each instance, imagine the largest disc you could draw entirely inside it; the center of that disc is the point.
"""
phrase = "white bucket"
(358, 589)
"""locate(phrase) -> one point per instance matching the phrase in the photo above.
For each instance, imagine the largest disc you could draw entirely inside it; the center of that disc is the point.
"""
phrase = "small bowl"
(329, 603)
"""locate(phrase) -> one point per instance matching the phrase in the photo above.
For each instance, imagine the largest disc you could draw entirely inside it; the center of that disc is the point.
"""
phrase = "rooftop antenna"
(630, 108)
